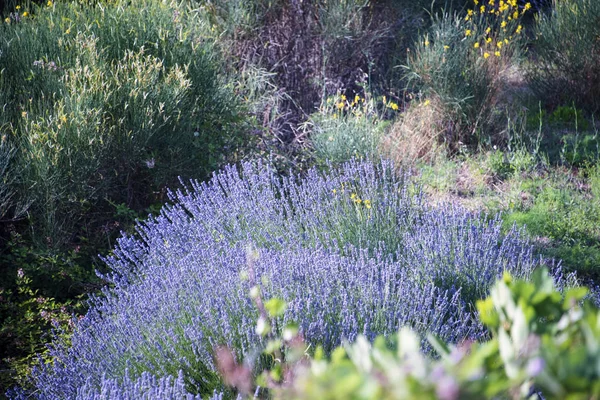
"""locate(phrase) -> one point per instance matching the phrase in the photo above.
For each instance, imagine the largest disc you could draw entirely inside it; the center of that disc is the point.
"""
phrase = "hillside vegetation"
(299, 199)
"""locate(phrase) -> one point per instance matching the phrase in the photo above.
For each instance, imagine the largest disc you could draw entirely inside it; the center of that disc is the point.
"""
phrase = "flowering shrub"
(349, 252)
(545, 344)
(461, 60)
(346, 128)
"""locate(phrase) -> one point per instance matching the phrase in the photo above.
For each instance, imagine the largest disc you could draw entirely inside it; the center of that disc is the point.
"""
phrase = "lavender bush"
(350, 251)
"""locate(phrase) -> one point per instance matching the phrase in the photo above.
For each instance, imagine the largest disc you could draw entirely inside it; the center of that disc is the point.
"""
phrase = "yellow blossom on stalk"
(394, 106)
(499, 45)
(25, 14)
(468, 32)
(519, 29)
(482, 9)
(384, 100)
(505, 41)
(7, 20)
(24, 114)
(503, 24)
(426, 103)
(470, 12)
(497, 54)
(527, 6)
(368, 203)
(515, 15)
(63, 118)
(488, 30)
(486, 55)
(488, 40)
(17, 8)
(426, 42)
(476, 2)
(340, 105)
(446, 47)
(356, 98)
(343, 97)
(68, 31)
(49, 3)
(491, 2)
(476, 45)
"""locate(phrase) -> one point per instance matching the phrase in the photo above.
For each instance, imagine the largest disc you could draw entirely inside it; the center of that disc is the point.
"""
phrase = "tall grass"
(566, 42)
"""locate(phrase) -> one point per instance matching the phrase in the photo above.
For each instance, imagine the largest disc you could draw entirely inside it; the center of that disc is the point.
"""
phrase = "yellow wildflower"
(505, 41)
(368, 203)
(476, 45)
(469, 12)
(503, 24)
(491, 2)
(63, 118)
(476, 2)
(486, 54)
(340, 105)
(17, 8)
(482, 9)
(497, 54)
(519, 29)
(515, 15)
(49, 4)
(356, 98)
(394, 106)
(7, 20)
(488, 40)
(499, 45)
(527, 6)
(426, 42)
(468, 32)
(24, 114)
(68, 31)
(426, 103)
(343, 97)
(25, 14)
(446, 47)
(488, 30)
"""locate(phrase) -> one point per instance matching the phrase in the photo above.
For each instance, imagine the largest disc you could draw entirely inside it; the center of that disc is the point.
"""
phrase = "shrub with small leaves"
(349, 251)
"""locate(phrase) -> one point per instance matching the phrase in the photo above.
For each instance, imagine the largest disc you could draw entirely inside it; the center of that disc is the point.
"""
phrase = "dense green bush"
(110, 101)
(567, 67)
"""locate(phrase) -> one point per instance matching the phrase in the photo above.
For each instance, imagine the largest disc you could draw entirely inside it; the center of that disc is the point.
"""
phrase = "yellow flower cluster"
(501, 21)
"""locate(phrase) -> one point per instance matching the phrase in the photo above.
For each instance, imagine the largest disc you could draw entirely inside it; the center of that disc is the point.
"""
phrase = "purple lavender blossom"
(351, 252)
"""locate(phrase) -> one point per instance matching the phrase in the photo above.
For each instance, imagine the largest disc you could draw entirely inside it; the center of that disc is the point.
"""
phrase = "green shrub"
(110, 101)
(346, 129)
(567, 51)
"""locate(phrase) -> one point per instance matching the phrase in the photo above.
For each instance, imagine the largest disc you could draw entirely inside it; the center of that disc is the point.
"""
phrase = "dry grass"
(419, 134)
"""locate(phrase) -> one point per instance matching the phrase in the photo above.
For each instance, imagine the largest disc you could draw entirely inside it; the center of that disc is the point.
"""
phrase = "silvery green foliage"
(351, 252)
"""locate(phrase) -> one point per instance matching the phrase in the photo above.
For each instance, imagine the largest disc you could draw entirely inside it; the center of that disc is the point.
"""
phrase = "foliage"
(461, 61)
(346, 129)
(543, 342)
(568, 218)
(568, 55)
(351, 252)
(111, 101)
(27, 318)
